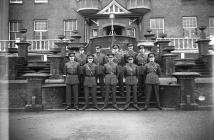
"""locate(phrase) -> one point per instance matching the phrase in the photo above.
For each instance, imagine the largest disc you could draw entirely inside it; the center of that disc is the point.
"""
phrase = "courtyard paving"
(112, 125)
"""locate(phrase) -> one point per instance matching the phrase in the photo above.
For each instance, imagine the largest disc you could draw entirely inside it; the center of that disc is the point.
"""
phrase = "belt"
(90, 76)
(71, 74)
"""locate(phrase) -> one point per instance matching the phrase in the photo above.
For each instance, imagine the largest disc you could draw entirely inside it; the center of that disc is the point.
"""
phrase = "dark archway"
(118, 30)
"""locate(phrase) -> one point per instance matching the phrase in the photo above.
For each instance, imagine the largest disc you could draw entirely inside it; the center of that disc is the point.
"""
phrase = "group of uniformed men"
(138, 70)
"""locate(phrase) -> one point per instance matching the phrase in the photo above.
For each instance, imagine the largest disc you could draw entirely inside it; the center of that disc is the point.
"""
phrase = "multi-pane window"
(69, 26)
(41, 1)
(14, 29)
(211, 25)
(16, 1)
(189, 27)
(40, 29)
(131, 32)
(157, 26)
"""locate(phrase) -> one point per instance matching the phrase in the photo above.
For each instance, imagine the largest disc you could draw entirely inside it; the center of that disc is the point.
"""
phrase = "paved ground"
(112, 125)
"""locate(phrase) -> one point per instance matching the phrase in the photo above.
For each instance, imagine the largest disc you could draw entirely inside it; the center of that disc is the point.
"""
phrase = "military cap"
(115, 46)
(110, 54)
(90, 55)
(130, 45)
(140, 46)
(97, 46)
(130, 57)
(151, 54)
(71, 54)
(81, 48)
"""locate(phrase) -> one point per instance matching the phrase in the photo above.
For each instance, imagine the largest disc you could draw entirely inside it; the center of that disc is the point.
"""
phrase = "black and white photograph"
(106, 69)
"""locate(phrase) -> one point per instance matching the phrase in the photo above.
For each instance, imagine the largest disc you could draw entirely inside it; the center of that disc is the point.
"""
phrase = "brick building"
(45, 19)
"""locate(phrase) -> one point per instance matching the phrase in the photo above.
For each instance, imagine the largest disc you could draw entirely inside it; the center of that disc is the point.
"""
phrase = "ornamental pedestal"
(23, 50)
(62, 45)
(162, 45)
(203, 46)
(34, 90)
(168, 64)
(12, 67)
(56, 66)
(187, 83)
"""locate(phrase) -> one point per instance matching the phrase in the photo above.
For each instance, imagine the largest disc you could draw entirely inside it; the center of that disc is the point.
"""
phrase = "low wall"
(53, 95)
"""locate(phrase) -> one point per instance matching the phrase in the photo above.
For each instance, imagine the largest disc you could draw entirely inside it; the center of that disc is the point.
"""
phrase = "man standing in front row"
(90, 84)
(72, 81)
(111, 72)
(131, 73)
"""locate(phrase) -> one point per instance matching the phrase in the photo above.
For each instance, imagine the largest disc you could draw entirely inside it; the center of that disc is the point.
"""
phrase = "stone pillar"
(4, 19)
(203, 46)
(12, 67)
(187, 83)
(168, 63)
(3, 67)
(162, 45)
(56, 66)
(23, 50)
(62, 45)
(34, 88)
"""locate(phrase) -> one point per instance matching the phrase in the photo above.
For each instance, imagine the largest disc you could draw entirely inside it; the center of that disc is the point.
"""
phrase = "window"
(16, 1)
(69, 26)
(41, 1)
(94, 32)
(189, 27)
(131, 32)
(40, 29)
(211, 25)
(14, 30)
(157, 26)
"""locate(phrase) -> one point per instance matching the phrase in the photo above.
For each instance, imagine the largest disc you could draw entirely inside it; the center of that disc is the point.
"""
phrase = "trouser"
(128, 93)
(72, 89)
(100, 78)
(110, 88)
(93, 91)
(81, 81)
(141, 84)
(149, 89)
(120, 82)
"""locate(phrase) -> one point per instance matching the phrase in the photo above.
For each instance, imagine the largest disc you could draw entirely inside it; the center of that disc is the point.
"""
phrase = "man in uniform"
(119, 60)
(141, 60)
(72, 81)
(131, 73)
(100, 60)
(130, 52)
(111, 72)
(90, 84)
(81, 59)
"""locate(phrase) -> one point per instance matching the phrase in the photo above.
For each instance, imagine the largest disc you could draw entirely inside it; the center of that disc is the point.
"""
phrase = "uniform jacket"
(99, 60)
(72, 72)
(81, 59)
(111, 71)
(89, 70)
(131, 73)
(152, 71)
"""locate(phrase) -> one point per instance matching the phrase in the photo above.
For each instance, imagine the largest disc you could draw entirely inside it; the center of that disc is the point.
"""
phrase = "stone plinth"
(56, 66)
(162, 44)
(203, 46)
(187, 82)
(168, 63)
(34, 88)
(12, 67)
(184, 65)
(62, 45)
(23, 50)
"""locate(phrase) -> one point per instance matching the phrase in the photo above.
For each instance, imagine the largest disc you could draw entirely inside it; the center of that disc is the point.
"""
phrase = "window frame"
(17, 31)
(40, 1)
(211, 27)
(41, 32)
(16, 1)
(70, 31)
(157, 30)
(190, 29)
